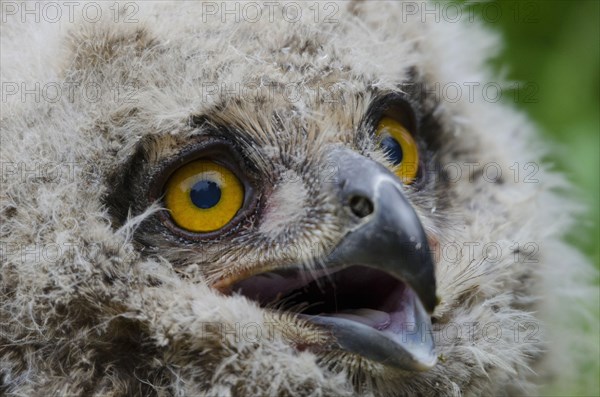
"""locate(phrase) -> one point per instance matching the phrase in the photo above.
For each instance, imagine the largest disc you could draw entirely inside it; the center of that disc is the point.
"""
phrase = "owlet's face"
(314, 218)
(274, 207)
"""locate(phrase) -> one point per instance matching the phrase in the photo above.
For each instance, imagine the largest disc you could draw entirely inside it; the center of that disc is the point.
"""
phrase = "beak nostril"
(361, 206)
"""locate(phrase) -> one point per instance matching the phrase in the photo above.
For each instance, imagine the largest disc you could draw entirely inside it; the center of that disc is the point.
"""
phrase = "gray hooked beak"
(388, 236)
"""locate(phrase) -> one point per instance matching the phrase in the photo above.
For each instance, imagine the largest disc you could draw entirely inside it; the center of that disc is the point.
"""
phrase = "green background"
(556, 46)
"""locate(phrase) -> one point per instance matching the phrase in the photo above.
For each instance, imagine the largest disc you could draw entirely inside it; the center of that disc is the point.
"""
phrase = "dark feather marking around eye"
(238, 138)
(396, 104)
(126, 181)
(244, 141)
(413, 98)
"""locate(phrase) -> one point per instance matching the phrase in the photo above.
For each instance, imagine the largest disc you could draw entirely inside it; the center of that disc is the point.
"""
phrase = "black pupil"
(392, 149)
(205, 194)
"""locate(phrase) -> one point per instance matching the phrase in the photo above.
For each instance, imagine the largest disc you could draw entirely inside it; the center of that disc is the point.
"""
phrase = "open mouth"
(370, 312)
(376, 287)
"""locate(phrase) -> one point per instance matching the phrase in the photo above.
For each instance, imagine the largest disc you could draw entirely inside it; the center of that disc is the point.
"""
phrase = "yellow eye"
(400, 148)
(203, 196)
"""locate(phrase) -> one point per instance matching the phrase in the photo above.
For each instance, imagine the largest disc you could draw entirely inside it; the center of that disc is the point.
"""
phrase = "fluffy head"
(99, 297)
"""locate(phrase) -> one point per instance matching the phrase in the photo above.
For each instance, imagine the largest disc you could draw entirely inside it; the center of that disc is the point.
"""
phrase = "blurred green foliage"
(556, 45)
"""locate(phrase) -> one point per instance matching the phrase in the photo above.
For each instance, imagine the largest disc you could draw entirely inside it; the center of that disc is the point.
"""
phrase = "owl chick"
(205, 198)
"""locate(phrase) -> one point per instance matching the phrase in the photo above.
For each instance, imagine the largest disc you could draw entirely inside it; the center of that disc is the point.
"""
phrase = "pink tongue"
(373, 318)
